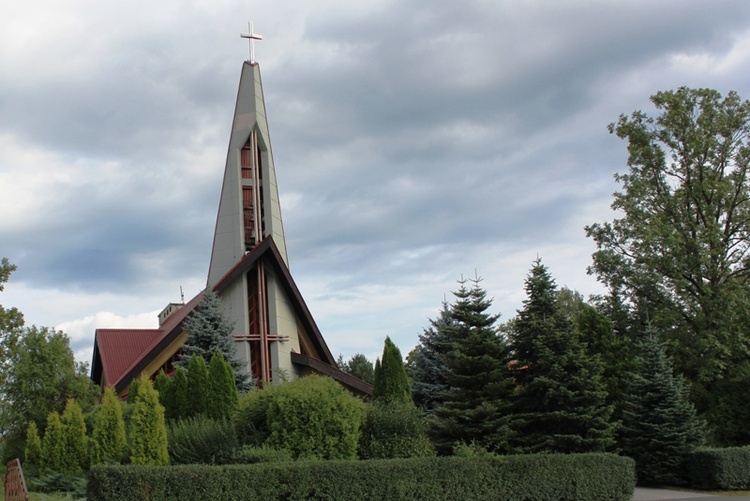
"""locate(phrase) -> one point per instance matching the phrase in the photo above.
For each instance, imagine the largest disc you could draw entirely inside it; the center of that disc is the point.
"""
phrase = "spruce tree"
(148, 430)
(199, 387)
(75, 442)
(560, 403)
(208, 332)
(53, 447)
(110, 442)
(224, 397)
(660, 426)
(33, 451)
(391, 382)
(475, 407)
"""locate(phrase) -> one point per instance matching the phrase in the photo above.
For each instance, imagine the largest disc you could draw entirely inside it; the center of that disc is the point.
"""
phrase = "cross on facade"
(252, 37)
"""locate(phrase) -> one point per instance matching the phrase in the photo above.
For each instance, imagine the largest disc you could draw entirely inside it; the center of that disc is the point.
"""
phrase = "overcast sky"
(414, 141)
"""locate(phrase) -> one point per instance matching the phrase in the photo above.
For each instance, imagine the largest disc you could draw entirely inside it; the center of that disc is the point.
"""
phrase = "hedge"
(720, 469)
(577, 477)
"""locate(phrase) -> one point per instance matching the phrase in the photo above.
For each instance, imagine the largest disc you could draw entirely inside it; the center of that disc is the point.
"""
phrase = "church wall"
(234, 300)
(282, 321)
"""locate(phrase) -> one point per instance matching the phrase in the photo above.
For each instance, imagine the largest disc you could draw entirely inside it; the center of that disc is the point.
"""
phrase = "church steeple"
(249, 210)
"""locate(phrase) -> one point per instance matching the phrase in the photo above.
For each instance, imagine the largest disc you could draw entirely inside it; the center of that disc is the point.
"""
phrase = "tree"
(475, 408)
(680, 253)
(425, 365)
(165, 388)
(182, 397)
(75, 442)
(358, 366)
(41, 376)
(224, 395)
(110, 441)
(11, 320)
(53, 446)
(390, 381)
(148, 433)
(560, 403)
(199, 387)
(660, 426)
(33, 452)
(208, 332)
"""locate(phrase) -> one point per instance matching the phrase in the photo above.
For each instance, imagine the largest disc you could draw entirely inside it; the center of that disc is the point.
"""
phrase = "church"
(274, 332)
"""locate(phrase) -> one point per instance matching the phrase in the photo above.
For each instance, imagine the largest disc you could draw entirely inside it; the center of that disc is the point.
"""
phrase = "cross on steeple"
(252, 37)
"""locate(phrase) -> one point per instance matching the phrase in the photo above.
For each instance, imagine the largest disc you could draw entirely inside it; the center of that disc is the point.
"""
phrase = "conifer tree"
(110, 442)
(560, 403)
(75, 442)
(660, 426)
(148, 432)
(163, 385)
(135, 384)
(224, 397)
(475, 408)
(33, 451)
(391, 382)
(181, 395)
(53, 447)
(208, 332)
(199, 387)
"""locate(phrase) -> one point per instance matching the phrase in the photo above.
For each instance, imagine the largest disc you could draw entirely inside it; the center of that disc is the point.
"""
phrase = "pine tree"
(53, 447)
(208, 332)
(110, 442)
(660, 425)
(391, 383)
(33, 451)
(148, 432)
(476, 405)
(560, 403)
(425, 365)
(163, 385)
(75, 442)
(224, 397)
(181, 395)
(199, 387)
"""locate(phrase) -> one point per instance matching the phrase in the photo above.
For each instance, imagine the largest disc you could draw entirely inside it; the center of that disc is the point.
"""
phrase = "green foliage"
(41, 375)
(224, 396)
(54, 482)
(75, 442)
(148, 432)
(583, 477)
(358, 366)
(199, 387)
(560, 403)
(475, 407)
(679, 253)
(200, 439)
(249, 454)
(53, 444)
(719, 469)
(208, 332)
(110, 443)
(11, 320)
(163, 385)
(660, 427)
(311, 417)
(390, 381)
(135, 385)
(181, 398)
(33, 452)
(394, 430)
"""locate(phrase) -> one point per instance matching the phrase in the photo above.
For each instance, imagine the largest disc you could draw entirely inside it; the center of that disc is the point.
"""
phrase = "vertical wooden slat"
(15, 484)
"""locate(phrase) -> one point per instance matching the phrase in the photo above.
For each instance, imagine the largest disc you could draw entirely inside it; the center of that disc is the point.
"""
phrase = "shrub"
(394, 430)
(33, 452)
(75, 442)
(249, 454)
(720, 469)
(53, 448)
(201, 439)
(110, 442)
(580, 477)
(148, 434)
(223, 399)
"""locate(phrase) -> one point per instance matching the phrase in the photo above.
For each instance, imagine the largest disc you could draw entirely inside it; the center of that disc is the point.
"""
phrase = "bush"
(720, 469)
(249, 454)
(312, 417)
(579, 477)
(394, 430)
(201, 439)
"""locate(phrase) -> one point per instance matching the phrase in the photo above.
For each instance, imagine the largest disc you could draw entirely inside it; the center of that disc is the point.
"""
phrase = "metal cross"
(252, 37)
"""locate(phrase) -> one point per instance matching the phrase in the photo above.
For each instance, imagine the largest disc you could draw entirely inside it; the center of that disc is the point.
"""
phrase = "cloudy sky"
(414, 141)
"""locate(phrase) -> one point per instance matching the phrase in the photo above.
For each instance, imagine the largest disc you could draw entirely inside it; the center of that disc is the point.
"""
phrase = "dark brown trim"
(351, 382)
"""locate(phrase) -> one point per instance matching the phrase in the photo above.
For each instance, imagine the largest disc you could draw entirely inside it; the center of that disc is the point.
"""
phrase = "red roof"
(120, 348)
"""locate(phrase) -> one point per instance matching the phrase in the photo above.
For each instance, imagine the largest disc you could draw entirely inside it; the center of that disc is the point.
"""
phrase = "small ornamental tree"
(391, 383)
(53, 448)
(199, 387)
(163, 385)
(148, 432)
(181, 396)
(33, 452)
(110, 443)
(224, 395)
(135, 384)
(75, 442)
(659, 426)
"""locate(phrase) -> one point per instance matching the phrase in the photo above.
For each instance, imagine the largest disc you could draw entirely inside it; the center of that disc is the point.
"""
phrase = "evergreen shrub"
(720, 469)
(394, 430)
(201, 440)
(249, 454)
(580, 477)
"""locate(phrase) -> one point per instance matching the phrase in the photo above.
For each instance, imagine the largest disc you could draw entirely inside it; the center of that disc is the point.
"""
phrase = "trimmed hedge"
(578, 477)
(720, 469)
